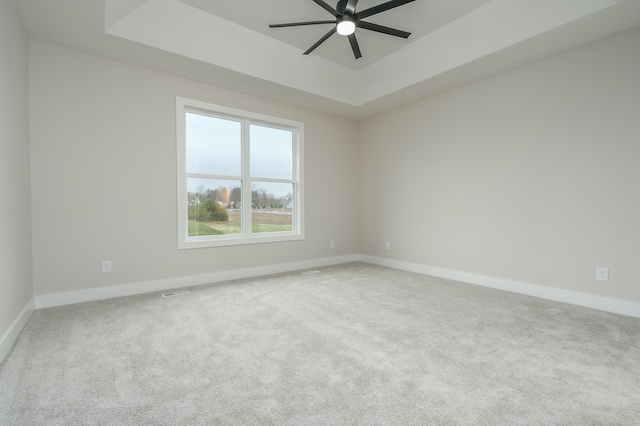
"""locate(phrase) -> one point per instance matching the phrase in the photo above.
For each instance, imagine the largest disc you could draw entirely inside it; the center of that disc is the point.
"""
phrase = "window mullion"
(260, 179)
(246, 180)
(298, 167)
(207, 176)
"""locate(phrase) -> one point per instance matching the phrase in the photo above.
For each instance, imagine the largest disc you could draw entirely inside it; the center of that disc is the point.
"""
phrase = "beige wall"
(16, 283)
(531, 175)
(501, 177)
(104, 176)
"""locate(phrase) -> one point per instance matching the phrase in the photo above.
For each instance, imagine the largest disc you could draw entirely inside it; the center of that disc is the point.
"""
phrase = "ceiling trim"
(181, 29)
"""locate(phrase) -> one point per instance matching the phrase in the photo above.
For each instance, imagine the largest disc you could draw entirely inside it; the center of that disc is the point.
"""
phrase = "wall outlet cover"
(602, 274)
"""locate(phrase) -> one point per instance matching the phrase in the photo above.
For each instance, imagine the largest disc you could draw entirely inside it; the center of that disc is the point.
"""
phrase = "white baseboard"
(100, 293)
(11, 335)
(602, 303)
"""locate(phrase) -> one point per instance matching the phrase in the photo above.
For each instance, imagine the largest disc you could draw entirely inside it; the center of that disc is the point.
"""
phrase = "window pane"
(213, 145)
(272, 207)
(271, 152)
(214, 206)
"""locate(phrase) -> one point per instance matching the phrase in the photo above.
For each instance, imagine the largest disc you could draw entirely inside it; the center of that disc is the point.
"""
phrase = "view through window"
(239, 176)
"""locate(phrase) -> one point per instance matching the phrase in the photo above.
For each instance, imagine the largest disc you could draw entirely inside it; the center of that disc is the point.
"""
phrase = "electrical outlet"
(106, 266)
(387, 245)
(332, 244)
(602, 274)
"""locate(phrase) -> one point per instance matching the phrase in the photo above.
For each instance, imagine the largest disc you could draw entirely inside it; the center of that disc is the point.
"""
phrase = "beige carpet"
(354, 344)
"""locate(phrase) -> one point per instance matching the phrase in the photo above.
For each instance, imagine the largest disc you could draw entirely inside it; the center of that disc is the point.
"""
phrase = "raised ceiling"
(229, 43)
(420, 18)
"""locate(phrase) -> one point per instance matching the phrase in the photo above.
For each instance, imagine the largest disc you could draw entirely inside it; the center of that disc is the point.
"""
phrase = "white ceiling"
(420, 18)
(229, 43)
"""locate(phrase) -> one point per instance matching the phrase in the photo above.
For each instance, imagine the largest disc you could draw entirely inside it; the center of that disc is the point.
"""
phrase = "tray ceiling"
(229, 43)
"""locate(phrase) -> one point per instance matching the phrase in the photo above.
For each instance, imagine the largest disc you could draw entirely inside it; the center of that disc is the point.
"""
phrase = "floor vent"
(311, 272)
(175, 293)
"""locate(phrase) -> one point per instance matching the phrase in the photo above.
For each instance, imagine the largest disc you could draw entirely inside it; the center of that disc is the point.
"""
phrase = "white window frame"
(184, 105)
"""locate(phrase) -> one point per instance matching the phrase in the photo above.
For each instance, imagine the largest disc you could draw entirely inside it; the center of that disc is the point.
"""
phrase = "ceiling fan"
(347, 19)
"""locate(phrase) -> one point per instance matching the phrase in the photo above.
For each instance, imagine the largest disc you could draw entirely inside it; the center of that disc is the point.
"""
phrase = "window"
(239, 176)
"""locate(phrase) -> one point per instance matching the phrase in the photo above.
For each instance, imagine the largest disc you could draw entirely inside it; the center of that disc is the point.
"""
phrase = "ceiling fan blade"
(354, 46)
(297, 24)
(381, 8)
(326, 7)
(383, 29)
(322, 40)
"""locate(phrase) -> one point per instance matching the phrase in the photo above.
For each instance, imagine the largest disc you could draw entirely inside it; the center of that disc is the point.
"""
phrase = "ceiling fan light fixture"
(346, 27)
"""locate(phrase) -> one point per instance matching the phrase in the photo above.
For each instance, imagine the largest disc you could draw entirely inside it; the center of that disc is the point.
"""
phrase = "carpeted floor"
(353, 344)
